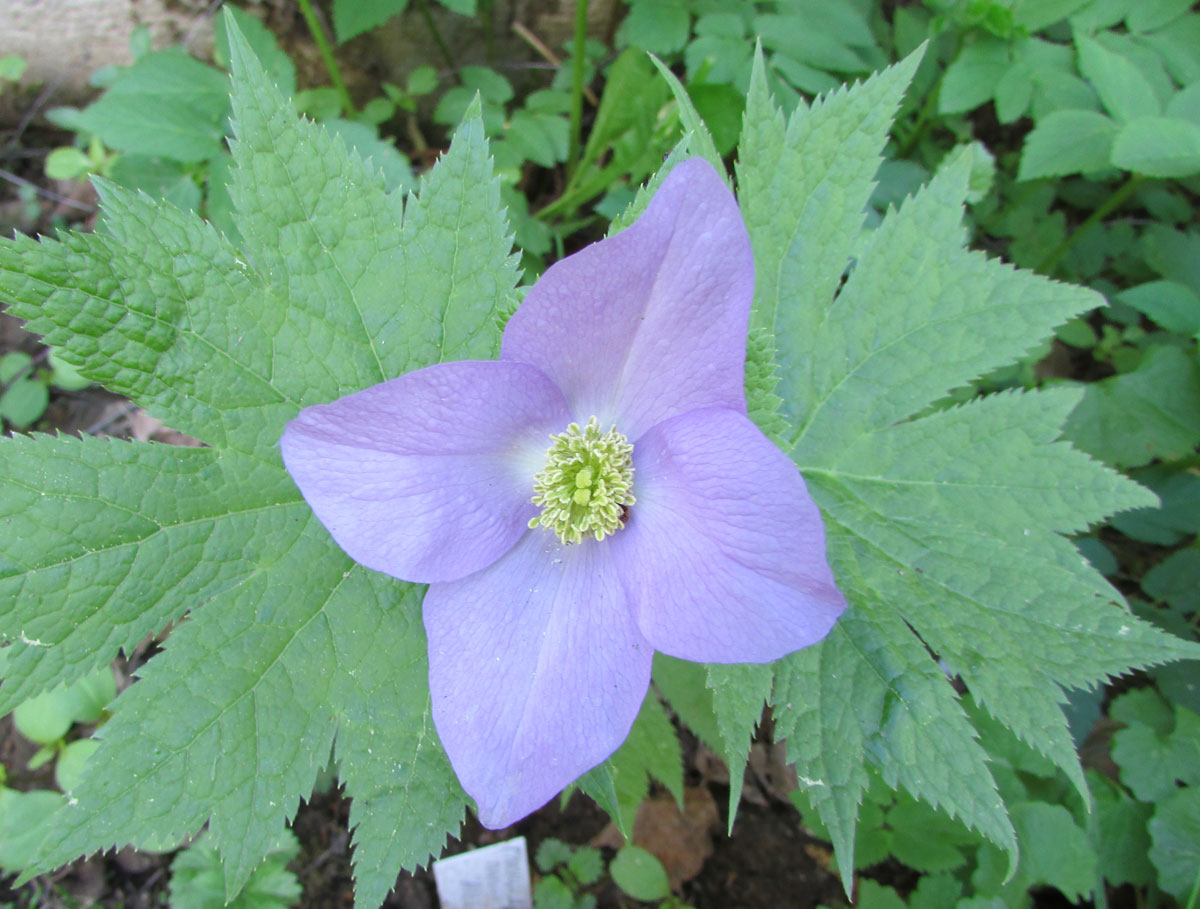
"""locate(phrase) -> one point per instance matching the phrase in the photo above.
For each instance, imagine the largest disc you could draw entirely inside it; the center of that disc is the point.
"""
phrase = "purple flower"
(596, 494)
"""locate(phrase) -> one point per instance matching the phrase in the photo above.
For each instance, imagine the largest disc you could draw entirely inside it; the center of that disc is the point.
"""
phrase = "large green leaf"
(289, 649)
(945, 527)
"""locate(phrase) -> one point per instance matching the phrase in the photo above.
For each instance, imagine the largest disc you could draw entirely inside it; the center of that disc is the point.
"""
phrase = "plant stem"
(335, 74)
(489, 28)
(1118, 198)
(578, 59)
(438, 39)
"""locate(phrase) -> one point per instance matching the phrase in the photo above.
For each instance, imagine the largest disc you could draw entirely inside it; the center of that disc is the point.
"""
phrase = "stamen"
(586, 486)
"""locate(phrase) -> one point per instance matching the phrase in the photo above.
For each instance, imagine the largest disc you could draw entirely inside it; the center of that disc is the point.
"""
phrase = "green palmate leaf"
(112, 541)
(803, 200)
(290, 649)
(405, 796)
(119, 306)
(945, 531)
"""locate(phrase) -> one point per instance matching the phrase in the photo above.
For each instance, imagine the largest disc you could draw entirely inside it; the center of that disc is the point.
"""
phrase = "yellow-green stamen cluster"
(587, 483)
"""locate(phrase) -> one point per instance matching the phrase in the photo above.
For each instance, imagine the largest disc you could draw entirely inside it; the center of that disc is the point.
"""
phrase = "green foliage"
(1175, 838)
(24, 819)
(46, 718)
(922, 514)
(352, 18)
(197, 881)
(1161, 397)
(568, 872)
(639, 874)
(166, 104)
(869, 347)
(325, 650)
(651, 750)
(12, 68)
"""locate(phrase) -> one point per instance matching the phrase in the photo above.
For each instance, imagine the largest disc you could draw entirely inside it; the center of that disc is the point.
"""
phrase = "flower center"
(587, 483)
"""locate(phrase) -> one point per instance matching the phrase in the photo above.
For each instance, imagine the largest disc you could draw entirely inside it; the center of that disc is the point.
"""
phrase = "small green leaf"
(1014, 91)
(1036, 15)
(1174, 306)
(1152, 412)
(25, 817)
(870, 894)
(552, 893)
(67, 163)
(46, 718)
(1054, 850)
(69, 768)
(973, 77)
(1175, 843)
(658, 26)
(197, 882)
(13, 364)
(1148, 15)
(87, 698)
(1122, 88)
(551, 853)
(1153, 764)
(12, 67)
(599, 784)
(353, 17)
(1177, 46)
(64, 375)
(24, 401)
(1068, 142)
(421, 81)
(1124, 843)
(1176, 580)
(587, 864)
(639, 874)
(166, 104)
(1158, 147)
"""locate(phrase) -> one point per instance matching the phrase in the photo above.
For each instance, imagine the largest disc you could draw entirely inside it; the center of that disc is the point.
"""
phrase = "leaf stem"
(443, 49)
(1118, 198)
(335, 73)
(578, 59)
(487, 13)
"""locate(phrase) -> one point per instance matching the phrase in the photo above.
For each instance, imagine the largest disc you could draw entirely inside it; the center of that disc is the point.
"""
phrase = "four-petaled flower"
(596, 494)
